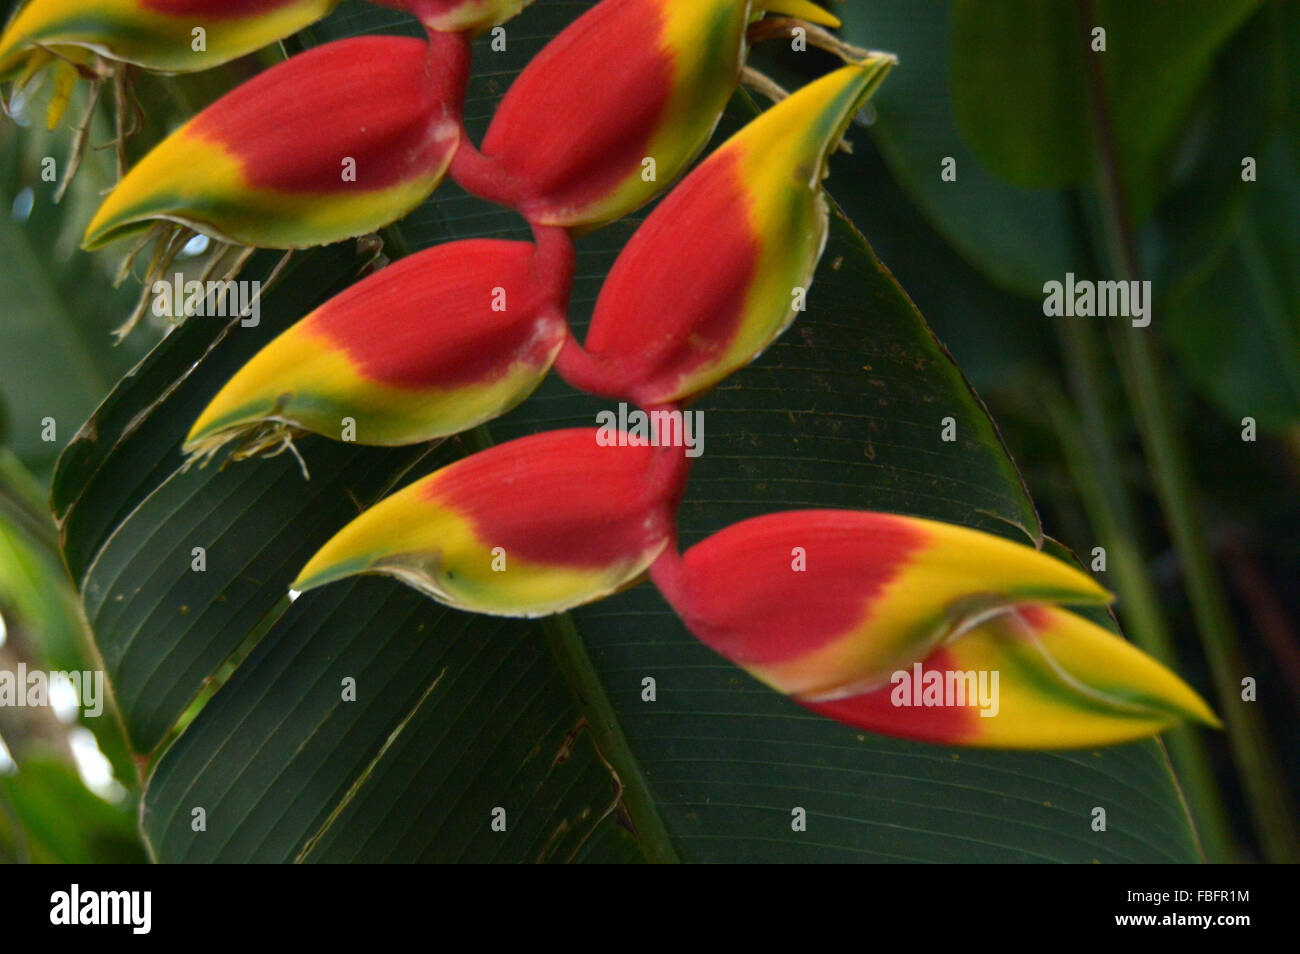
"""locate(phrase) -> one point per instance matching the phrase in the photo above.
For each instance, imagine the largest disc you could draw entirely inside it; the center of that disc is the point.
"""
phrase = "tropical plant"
(343, 622)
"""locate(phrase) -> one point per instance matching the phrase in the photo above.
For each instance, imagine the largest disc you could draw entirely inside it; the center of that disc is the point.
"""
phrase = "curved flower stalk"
(654, 75)
(333, 143)
(458, 16)
(527, 528)
(1034, 677)
(429, 346)
(723, 265)
(835, 609)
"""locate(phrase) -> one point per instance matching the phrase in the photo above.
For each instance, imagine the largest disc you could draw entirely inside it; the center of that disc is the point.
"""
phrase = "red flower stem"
(449, 67)
(450, 55)
(584, 371)
(554, 262)
(483, 177)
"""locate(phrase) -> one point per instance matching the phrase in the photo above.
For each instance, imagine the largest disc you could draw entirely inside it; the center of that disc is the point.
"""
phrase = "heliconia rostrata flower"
(172, 36)
(331, 144)
(862, 617)
(428, 346)
(455, 16)
(527, 528)
(654, 77)
(741, 237)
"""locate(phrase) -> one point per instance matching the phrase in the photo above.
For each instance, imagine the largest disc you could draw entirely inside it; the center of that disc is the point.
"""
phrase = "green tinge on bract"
(1032, 677)
(784, 154)
(377, 416)
(877, 592)
(1077, 683)
(425, 348)
(800, 9)
(436, 551)
(294, 158)
(524, 529)
(300, 382)
(130, 31)
(750, 258)
(213, 198)
(658, 75)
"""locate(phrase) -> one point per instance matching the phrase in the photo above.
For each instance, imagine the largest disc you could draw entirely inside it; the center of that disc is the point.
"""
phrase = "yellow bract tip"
(802, 9)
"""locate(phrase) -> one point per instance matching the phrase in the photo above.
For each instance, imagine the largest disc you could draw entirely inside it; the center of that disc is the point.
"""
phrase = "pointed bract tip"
(801, 9)
(524, 529)
(154, 34)
(293, 158)
(467, 330)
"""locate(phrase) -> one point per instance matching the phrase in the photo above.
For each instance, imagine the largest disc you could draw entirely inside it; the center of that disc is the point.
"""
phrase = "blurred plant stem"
(1088, 443)
(1144, 377)
(22, 505)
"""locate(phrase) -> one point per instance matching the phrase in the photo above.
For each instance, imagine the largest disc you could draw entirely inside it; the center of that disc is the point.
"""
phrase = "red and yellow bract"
(330, 144)
(429, 346)
(155, 34)
(853, 613)
(172, 36)
(829, 601)
(527, 528)
(720, 268)
(613, 109)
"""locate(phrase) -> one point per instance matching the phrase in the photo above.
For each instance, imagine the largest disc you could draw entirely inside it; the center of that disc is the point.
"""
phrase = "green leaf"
(49, 817)
(1020, 238)
(1043, 138)
(53, 294)
(1231, 313)
(996, 338)
(33, 587)
(37, 600)
(455, 715)
(1239, 340)
(1021, 76)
